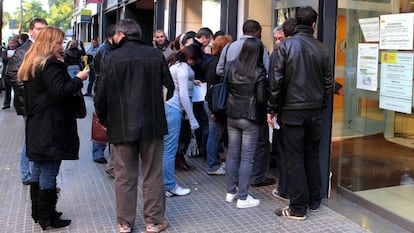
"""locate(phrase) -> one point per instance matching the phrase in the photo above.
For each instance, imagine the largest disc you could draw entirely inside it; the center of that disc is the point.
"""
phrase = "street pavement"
(87, 197)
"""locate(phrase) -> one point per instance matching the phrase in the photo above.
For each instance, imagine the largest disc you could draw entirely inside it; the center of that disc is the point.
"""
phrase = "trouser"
(202, 132)
(91, 80)
(243, 135)
(126, 158)
(98, 149)
(215, 134)
(261, 156)
(300, 134)
(7, 93)
(283, 183)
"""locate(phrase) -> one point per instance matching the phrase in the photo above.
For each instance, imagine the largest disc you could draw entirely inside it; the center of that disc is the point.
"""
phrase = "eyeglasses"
(279, 38)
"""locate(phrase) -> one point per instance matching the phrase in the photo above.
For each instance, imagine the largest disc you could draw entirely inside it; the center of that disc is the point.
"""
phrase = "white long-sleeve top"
(183, 77)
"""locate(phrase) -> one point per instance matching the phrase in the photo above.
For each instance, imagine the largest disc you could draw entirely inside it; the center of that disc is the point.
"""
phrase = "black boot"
(47, 207)
(34, 196)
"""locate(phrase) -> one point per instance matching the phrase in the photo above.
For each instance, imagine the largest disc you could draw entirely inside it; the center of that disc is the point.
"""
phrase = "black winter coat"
(247, 95)
(51, 129)
(129, 100)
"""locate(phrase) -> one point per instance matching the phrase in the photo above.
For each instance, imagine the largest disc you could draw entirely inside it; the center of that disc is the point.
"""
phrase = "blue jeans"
(171, 145)
(73, 70)
(215, 132)
(98, 149)
(243, 136)
(25, 164)
(45, 173)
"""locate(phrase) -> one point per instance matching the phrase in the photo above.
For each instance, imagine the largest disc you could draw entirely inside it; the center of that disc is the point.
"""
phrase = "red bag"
(98, 130)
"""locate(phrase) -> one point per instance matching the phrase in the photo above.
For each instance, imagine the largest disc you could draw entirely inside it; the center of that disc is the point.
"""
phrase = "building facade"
(367, 149)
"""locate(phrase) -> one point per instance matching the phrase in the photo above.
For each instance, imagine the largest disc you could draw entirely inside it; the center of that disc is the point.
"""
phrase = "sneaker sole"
(247, 206)
(279, 197)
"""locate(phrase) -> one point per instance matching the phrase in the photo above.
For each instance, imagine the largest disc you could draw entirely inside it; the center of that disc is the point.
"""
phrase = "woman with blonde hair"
(51, 130)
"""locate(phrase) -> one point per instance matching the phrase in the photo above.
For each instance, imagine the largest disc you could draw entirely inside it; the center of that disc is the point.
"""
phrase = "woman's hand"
(83, 75)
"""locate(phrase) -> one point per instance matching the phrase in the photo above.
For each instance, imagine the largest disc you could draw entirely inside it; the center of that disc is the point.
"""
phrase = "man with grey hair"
(278, 34)
(130, 103)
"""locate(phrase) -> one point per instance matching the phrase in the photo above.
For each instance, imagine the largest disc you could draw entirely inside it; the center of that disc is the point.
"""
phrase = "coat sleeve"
(99, 99)
(276, 79)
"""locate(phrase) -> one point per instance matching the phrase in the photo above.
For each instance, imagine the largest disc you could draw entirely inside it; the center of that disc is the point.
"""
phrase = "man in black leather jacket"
(300, 85)
(129, 102)
(11, 77)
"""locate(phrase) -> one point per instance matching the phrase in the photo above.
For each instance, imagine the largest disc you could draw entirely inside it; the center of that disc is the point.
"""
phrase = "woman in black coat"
(51, 130)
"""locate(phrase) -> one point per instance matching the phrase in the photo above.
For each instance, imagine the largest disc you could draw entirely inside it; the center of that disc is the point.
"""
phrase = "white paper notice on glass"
(370, 29)
(367, 67)
(396, 31)
(199, 92)
(396, 81)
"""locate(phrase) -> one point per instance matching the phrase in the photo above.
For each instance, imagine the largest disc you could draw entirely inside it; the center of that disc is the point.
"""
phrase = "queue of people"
(150, 101)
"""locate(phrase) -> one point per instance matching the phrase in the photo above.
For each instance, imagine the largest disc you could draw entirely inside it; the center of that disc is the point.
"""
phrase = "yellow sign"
(86, 12)
(389, 57)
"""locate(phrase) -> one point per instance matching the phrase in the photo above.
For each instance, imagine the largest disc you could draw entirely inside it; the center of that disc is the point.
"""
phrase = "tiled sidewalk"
(87, 196)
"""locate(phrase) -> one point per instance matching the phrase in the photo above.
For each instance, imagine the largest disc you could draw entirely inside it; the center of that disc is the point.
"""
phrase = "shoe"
(287, 213)
(155, 228)
(276, 194)
(313, 208)
(249, 202)
(177, 191)
(5, 107)
(231, 197)
(101, 160)
(267, 181)
(110, 172)
(26, 182)
(124, 228)
(181, 163)
(219, 172)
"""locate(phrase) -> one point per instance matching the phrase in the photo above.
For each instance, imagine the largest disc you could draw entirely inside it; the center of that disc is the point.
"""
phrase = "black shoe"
(5, 107)
(101, 160)
(267, 181)
(26, 182)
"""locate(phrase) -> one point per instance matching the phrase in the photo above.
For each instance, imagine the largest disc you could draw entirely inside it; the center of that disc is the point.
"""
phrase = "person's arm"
(183, 79)
(221, 63)
(276, 79)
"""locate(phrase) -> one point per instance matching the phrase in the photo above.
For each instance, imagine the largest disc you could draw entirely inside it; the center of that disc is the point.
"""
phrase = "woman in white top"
(182, 75)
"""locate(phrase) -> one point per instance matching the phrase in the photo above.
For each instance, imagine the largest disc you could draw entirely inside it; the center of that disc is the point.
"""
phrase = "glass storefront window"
(375, 146)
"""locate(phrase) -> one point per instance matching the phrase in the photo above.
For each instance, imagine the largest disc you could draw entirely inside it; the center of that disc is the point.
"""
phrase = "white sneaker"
(249, 202)
(177, 191)
(231, 197)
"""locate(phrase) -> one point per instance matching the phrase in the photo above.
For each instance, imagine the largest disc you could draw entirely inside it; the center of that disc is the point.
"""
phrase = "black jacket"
(73, 56)
(129, 100)
(299, 73)
(51, 128)
(246, 94)
(13, 66)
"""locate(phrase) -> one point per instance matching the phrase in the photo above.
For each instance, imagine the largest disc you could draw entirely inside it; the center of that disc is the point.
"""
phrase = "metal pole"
(21, 16)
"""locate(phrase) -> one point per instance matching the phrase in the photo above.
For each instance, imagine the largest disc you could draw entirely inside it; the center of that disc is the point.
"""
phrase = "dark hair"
(251, 56)
(191, 51)
(206, 32)
(110, 31)
(306, 16)
(186, 36)
(24, 37)
(289, 27)
(218, 33)
(251, 26)
(36, 20)
(129, 27)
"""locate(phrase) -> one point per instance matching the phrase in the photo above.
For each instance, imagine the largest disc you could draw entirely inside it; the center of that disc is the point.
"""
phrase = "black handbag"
(80, 105)
(219, 95)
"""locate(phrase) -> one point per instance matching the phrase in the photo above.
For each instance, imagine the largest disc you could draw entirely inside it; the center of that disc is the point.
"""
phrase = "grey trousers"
(126, 165)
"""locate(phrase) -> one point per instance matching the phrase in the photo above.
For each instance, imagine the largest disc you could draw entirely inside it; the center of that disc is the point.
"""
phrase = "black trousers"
(277, 150)
(202, 132)
(300, 134)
